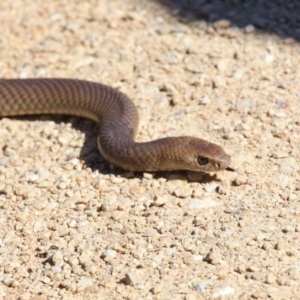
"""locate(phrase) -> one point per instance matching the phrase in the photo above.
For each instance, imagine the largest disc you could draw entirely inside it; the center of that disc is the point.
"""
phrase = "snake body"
(118, 120)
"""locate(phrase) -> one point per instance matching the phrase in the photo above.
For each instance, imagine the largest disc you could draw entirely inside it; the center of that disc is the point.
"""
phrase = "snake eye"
(202, 160)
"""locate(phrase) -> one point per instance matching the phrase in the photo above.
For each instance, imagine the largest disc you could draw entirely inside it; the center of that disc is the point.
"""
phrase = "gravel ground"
(73, 227)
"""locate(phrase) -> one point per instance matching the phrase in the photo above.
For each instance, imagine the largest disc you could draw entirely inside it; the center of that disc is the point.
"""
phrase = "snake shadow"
(279, 17)
(93, 159)
(89, 152)
(91, 155)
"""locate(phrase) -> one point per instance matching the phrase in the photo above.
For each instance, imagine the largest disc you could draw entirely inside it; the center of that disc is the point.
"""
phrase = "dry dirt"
(73, 227)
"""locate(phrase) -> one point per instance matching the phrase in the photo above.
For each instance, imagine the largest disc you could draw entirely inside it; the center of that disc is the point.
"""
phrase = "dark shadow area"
(89, 152)
(280, 17)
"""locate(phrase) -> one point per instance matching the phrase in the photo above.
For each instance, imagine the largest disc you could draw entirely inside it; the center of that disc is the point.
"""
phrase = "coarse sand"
(74, 227)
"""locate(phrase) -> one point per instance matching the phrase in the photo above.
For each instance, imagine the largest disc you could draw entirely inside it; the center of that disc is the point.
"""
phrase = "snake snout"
(224, 162)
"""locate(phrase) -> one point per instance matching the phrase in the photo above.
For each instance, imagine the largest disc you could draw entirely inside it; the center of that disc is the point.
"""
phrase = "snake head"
(205, 156)
(189, 153)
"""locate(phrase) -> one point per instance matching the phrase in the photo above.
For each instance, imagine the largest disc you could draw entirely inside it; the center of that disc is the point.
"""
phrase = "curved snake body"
(118, 120)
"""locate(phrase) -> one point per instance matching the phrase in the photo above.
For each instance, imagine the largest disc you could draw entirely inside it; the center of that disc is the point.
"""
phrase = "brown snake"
(118, 120)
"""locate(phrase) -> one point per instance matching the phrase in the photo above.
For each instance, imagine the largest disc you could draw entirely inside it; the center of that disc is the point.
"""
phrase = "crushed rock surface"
(74, 227)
